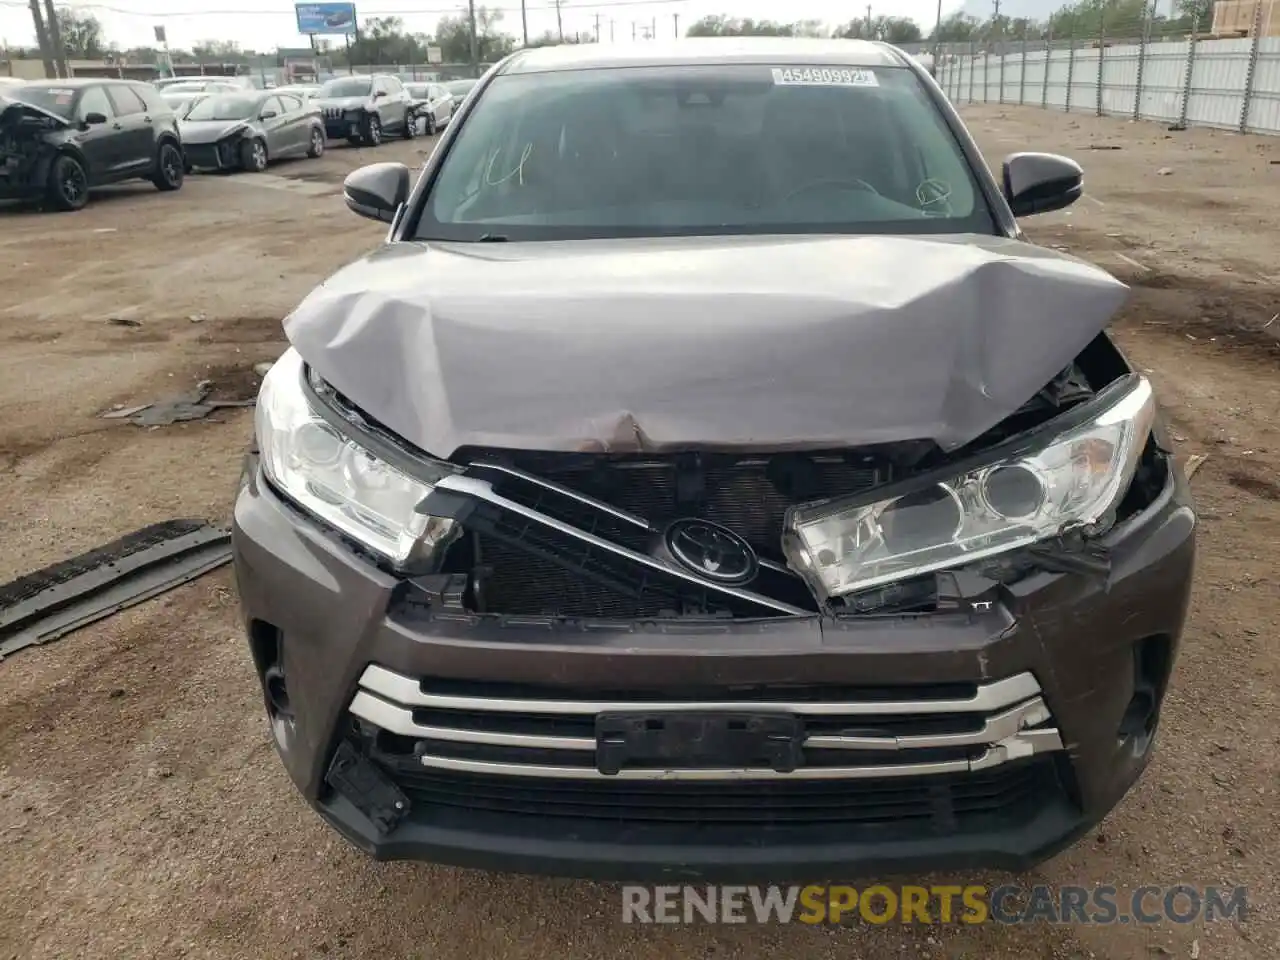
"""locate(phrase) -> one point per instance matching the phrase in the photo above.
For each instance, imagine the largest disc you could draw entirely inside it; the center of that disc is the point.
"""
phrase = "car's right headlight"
(1068, 479)
(340, 482)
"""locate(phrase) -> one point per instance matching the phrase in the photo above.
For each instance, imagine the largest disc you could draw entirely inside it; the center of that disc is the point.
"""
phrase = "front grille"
(202, 155)
(997, 799)
(530, 569)
(441, 729)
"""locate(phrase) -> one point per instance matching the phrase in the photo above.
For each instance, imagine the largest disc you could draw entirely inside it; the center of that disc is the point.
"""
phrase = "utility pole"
(675, 20)
(55, 39)
(475, 52)
(653, 29)
(937, 40)
(611, 29)
(633, 30)
(597, 28)
(42, 38)
(524, 22)
(870, 36)
(559, 21)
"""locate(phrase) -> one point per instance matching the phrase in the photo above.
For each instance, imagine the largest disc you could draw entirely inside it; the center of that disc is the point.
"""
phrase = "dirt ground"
(142, 810)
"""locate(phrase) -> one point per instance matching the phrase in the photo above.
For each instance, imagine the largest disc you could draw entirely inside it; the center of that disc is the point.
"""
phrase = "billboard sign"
(326, 18)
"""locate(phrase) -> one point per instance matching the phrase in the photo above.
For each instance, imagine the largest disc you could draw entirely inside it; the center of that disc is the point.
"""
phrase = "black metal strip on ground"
(50, 603)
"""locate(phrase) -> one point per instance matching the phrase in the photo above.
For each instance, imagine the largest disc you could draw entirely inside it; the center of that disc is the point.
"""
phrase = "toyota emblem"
(711, 551)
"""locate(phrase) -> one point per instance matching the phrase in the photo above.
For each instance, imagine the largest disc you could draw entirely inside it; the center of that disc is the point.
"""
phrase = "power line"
(200, 14)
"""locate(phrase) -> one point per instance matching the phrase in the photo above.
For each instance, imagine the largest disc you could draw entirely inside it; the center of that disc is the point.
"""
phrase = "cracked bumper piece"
(953, 740)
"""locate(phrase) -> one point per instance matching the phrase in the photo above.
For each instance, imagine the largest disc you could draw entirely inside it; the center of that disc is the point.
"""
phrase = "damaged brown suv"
(707, 480)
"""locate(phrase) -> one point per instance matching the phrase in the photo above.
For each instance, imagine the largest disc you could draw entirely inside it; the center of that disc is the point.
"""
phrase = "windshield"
(459, 88)
(714, 149)
(224, 107)
(54, 99)
(418, 90)
(347, 87)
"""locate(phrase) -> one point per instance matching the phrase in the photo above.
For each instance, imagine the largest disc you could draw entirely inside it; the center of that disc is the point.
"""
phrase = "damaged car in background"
(706, 479)
(247, 131)
(59, 139)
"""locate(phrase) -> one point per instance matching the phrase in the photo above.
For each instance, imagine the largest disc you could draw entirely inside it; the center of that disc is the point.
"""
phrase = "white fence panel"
(1064, 79)
(1059, 69)
(1217, 83)
(1120, 79)
(1264, 107)
(1163, 77)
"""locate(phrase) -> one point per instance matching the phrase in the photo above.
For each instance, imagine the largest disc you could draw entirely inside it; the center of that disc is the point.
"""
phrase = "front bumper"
(1091, 647)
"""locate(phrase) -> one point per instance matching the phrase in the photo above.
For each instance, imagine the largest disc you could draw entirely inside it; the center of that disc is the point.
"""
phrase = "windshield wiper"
(492, 238)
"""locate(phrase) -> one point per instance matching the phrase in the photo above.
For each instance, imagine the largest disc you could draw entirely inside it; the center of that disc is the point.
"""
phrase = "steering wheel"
(851, 184)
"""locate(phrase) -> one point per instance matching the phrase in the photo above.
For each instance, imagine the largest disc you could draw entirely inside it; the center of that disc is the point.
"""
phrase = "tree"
(81, 34)
(719, 25)
(956, 28)
(453, 37)
(384, 40)
(552, 39)
(889, 29)
(216, 50)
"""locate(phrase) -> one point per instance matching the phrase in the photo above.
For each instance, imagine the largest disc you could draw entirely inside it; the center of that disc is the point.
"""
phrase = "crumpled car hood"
(207, 131)
(11, 110)
(774, 343)
(343, 103)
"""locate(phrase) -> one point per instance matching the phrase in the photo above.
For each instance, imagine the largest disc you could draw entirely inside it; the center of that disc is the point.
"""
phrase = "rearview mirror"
(1040, 182)
(377, 191)
(266, 115)
(93, 119)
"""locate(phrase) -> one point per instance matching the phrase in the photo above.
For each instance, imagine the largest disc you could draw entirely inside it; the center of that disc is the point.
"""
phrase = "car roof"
(75, 83)
(709, 50)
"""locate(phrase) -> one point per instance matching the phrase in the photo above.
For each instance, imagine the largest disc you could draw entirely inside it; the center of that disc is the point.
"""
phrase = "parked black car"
(61, 138)
(708, 479)
(246, 131)
(362, 109)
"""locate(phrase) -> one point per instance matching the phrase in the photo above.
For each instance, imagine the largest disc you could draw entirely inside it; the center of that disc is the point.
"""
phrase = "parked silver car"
(249, 129)
(433, 106)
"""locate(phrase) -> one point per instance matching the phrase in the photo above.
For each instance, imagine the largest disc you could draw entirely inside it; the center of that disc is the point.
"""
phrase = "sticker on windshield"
(824, 77)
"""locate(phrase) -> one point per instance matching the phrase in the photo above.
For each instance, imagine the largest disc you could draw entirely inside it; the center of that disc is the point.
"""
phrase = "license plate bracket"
(694, 739)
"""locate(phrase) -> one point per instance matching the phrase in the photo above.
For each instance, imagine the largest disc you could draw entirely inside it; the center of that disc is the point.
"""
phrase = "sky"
(266, 24)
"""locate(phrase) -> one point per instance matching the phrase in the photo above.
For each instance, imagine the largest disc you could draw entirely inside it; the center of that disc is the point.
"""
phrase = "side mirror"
(1040, 182)
(92, 119)
(379, 94)
(266, 115)
(377, 191)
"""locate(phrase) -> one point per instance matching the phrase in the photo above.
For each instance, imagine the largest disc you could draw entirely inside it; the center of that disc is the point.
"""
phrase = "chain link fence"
(1145, 69)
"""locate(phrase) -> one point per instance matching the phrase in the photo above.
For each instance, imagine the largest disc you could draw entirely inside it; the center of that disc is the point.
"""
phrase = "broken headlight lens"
(337, 480)
(1073, 481)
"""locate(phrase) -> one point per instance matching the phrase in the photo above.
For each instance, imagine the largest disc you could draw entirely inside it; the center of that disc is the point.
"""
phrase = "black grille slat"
(949, 802)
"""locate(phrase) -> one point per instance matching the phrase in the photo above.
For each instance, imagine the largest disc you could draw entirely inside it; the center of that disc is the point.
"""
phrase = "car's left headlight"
(1043, 486)
(340, 482)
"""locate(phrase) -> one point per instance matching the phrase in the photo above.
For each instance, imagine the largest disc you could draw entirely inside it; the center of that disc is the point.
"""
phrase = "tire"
(371, 130)
(317, 143)
(253, 155)
(410, 125)
(431, 125)
(68, 187)
(170, 168)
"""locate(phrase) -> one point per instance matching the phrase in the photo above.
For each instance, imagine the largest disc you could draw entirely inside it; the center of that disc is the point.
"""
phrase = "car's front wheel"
(68, 187)
(253, 155)
(372, 132)
(317, 143)
(170, 168)
(431, 124)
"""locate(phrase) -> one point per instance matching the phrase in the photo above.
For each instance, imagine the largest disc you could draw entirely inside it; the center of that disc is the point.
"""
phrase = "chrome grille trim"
(1014, 726)
(408, 691)
(564, 491)
(483, 490)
